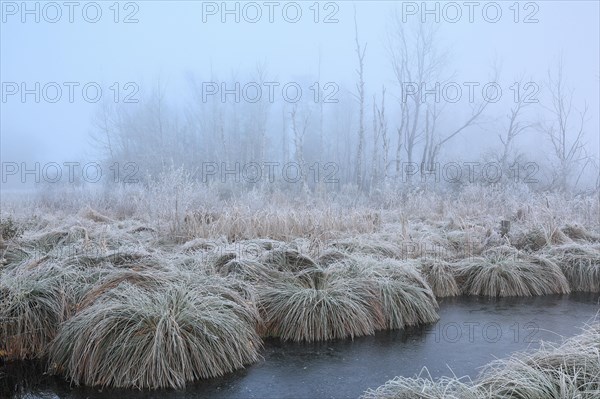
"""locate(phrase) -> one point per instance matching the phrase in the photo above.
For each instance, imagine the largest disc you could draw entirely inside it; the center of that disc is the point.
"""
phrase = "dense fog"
(368, 94)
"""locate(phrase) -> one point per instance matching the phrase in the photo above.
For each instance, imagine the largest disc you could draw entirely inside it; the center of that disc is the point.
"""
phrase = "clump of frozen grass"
(123, 257)
(272, 266)
(33, 303)
(463, 242)
(134, 338)
(51, 238)
(261, 244)
(590, 338)
(248, 270)
(330, 256)
(578, 232)
(570, 370)
(440, 276)
(93, 215)
(405, 304)
(504, 271)
(316, 305)
(10, 229)
(364, 246)
(539, 237)
(242, 294)
(12, 254)
(110, 278)
(405, 296)
(424, 387)
(581, 265)
(202, 244)
(218, 261)
(287, 260)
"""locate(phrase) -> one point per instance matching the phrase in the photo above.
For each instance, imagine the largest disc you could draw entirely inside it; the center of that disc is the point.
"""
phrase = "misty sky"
(170, 41)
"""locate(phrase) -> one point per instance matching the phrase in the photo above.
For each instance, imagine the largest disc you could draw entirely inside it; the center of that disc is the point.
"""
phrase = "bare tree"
(105, 129)
(157, 110)
(299, 133)
(206, 123)
(284, 138)
(360, 86)
(147, 133)
(516, 126)
(434, 144)
(565, 129)
(379, 129)
(321, 115)
(259, 114)
(218, 124)
(374, 156)
(415, 60)
(419, 65)
(432, 115)
(383, 127)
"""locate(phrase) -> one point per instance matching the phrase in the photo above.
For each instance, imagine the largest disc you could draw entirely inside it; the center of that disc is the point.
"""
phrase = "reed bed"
(151, 291)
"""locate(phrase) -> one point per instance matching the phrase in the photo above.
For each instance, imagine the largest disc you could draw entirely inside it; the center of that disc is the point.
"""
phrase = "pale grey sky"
(171, 40)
